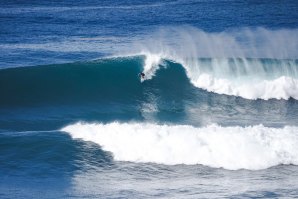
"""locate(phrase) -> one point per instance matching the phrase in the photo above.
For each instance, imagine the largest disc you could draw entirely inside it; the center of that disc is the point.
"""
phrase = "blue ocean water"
(216, 115)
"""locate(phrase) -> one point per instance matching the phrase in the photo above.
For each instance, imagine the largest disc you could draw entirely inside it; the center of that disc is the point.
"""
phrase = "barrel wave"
(249, 78)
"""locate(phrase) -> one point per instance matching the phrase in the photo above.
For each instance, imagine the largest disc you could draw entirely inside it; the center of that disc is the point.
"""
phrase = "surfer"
(142, 75)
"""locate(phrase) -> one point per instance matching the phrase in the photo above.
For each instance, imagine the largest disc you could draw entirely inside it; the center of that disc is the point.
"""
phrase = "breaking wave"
(252, 147)
(250, 63)
(245, 77)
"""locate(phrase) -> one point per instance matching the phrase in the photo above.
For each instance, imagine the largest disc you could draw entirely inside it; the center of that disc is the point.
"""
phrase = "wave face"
(254, 147)
(70, 83)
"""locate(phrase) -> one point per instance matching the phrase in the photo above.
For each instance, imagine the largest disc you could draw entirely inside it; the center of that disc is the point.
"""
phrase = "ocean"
(216, 115)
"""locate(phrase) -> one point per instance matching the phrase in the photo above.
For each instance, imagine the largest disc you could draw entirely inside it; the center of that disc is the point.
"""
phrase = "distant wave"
(55, 8)
(252, 147)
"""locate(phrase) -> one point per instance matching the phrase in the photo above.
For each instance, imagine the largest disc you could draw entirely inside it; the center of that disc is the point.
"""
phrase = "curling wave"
(250, 63)
(245, 77)
(252, 147)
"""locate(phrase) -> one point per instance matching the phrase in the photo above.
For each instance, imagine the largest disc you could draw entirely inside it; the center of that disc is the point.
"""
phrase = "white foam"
(253, 147)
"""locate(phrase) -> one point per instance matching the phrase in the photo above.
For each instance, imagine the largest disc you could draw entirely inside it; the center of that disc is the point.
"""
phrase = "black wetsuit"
(142, 75)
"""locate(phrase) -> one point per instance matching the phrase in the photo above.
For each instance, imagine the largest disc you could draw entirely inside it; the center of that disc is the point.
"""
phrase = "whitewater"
(253, 147)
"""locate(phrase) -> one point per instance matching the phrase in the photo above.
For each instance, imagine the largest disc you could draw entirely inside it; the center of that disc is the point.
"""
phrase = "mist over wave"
(252, 147)
(189, 42)
(250, 63)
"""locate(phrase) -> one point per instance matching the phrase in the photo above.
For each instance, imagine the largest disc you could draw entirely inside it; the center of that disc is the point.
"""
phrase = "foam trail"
(250, 63)
(254, 147)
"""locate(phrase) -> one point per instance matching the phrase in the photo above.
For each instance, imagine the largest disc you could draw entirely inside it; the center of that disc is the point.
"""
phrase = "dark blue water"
(216, 115)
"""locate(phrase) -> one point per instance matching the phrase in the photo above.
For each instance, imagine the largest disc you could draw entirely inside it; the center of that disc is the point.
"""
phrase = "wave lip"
(253, 147)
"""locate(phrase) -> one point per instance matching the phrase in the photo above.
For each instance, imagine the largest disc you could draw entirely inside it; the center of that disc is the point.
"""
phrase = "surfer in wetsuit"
(142, 75)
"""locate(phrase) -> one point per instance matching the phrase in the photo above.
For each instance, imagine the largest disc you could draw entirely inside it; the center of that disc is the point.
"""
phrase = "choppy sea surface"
(216, 115)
